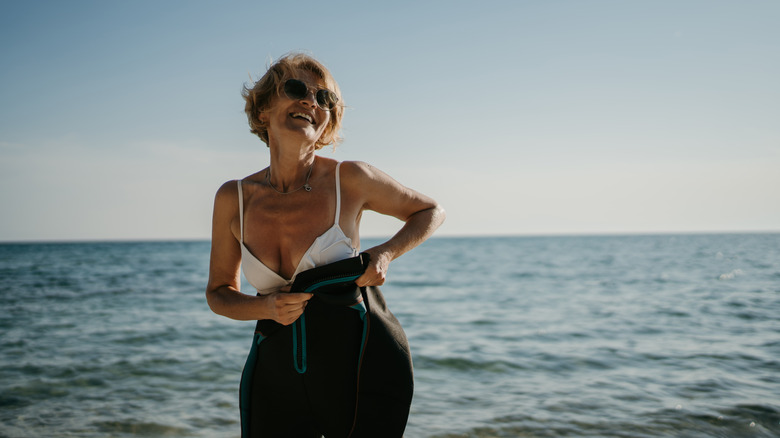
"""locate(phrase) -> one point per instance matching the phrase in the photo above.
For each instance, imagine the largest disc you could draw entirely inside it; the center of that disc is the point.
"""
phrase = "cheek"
(327, 121)
(325, 128)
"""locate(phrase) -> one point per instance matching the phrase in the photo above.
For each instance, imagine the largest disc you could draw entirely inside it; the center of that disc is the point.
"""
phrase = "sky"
(119, 120)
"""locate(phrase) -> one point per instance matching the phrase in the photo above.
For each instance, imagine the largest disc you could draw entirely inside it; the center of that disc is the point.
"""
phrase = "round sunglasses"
(296, 89)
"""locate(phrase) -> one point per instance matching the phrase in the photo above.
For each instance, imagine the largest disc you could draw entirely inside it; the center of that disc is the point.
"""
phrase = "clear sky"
(120, 119)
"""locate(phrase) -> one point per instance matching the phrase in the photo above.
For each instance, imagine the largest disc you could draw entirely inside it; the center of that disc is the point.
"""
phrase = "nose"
(310, 98)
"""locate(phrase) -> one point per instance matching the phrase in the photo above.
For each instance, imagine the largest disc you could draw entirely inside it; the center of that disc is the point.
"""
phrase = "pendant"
(307, 187)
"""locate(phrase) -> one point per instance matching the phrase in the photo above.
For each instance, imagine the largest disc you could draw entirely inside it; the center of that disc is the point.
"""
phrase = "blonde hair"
(258, 97)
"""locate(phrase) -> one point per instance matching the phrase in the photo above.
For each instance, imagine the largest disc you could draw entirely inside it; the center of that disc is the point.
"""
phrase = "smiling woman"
(350, 371)
(283, 74)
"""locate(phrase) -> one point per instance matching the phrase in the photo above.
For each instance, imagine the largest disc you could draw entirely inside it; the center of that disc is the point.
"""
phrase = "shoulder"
(359, 172)
(227, 196)
(227, 189)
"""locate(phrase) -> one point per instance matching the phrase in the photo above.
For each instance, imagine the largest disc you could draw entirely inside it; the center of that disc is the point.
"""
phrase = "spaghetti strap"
(338, 195)
(241, 211)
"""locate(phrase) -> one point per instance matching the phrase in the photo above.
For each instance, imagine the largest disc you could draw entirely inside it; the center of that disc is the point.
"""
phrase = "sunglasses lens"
(326, 99)
(295, 89)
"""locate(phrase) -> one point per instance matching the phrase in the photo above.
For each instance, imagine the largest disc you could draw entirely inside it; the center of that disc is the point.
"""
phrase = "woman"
(301, 212)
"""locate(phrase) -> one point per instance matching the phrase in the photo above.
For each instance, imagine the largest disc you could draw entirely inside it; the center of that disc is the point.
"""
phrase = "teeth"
(305, 116)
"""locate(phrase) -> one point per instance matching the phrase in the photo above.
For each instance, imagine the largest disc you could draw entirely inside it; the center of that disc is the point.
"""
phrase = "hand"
(376, 272)
(284, 307)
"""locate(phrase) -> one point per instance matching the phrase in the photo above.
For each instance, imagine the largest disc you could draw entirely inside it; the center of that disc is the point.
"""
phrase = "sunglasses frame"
(320, 94)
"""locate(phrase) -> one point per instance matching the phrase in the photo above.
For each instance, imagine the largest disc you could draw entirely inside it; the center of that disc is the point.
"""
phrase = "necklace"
(304, 186)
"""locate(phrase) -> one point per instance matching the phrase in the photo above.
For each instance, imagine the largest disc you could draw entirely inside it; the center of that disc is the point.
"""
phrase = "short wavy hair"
(259, 95)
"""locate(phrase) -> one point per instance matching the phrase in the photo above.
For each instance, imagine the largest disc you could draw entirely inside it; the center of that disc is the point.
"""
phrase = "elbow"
(430, 218)
(213, 298)
(441, 213)
(438, 215)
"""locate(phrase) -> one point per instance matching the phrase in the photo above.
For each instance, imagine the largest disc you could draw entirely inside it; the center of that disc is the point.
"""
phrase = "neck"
(289, 167)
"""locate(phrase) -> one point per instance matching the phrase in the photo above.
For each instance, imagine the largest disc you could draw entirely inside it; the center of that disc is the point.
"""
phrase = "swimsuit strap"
(338, 195)
(241, 211)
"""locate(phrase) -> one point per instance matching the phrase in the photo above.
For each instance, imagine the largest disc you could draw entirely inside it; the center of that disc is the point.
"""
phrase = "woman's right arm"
(223, 291)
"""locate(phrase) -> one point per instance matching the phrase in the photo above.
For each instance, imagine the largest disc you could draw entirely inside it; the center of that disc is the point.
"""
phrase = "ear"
(263, 117)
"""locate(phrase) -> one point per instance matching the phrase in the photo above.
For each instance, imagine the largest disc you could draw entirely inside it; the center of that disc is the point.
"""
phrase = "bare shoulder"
(226, 199)
(229, 188)
(361, 173)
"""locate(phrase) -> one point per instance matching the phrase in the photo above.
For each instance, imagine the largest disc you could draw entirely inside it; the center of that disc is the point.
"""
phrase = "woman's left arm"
(380, 193)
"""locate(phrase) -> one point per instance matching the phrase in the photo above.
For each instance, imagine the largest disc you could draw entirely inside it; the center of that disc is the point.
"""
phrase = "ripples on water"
(541, 337)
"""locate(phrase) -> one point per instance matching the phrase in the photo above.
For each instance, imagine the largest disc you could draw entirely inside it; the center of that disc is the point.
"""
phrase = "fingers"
(289, 307)
(376, 272)
(286, 304)
(370, 278)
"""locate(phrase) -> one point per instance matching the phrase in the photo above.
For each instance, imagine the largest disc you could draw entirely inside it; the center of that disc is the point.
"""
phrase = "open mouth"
(303, 116)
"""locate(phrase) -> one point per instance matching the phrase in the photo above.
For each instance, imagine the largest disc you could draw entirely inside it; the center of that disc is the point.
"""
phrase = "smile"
(304, 116)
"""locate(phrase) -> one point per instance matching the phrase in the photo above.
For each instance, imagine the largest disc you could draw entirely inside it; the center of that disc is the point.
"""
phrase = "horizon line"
(373, 237)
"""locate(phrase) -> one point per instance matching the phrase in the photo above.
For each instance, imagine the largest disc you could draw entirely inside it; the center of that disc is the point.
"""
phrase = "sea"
(554, 336)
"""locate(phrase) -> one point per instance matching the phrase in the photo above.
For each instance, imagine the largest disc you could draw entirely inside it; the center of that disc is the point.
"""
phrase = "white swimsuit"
(331, 246)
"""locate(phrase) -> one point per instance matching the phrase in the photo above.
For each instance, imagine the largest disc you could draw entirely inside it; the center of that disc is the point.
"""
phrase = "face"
(300, 118)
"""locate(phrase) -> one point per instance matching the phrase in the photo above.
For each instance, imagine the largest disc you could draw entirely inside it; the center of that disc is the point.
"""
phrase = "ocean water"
(625, 336)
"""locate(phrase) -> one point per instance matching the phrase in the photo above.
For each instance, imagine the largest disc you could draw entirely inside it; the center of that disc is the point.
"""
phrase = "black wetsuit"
(343, 369)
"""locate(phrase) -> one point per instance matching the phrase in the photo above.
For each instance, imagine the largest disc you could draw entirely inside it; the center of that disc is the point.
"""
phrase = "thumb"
(362, 281)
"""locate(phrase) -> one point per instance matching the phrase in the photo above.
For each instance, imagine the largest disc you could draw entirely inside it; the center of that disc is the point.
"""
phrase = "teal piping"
(331, 281)
(299, 355)
(246, 383)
